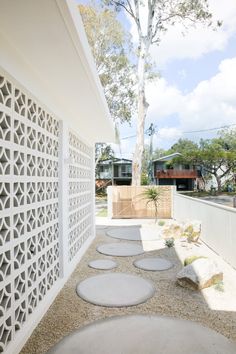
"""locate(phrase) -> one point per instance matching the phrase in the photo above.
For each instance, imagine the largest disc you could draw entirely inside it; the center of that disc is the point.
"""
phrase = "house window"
(126, 171)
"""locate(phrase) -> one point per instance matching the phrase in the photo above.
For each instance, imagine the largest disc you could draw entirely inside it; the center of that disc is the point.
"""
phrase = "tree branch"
(128, 9)
(151, 14)
(137, 17)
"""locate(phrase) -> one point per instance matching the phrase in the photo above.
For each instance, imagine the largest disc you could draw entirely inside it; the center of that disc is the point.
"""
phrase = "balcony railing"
(104, 175)
(123, 175)
(176, 174)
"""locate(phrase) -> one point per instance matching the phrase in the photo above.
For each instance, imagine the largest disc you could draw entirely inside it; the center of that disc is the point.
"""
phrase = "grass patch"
(102, 198)
(102, 212)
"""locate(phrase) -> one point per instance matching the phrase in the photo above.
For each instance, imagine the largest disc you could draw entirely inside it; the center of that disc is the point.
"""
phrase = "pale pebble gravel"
(212, 308)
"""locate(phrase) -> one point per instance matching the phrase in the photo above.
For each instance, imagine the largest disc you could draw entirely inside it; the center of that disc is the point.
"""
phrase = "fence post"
(234, 202)
(109, 201)
(173, 193)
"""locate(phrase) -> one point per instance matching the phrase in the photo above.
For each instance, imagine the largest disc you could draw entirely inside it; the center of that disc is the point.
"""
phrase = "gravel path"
(213, 308)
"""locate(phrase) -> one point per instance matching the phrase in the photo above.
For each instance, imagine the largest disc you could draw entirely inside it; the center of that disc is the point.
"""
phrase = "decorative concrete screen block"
(80, 193)
(29, 232)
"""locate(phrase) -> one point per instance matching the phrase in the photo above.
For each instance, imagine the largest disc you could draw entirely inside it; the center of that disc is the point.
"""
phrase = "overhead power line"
(210, 129)
(189, 132)
(128, 137)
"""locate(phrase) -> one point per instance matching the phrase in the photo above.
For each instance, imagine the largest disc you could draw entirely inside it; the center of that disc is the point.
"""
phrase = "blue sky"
(197, 88)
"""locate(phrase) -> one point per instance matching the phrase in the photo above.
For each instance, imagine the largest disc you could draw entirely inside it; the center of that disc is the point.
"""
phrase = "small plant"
(191, 234)
(219, 286)
(152, 194)
(161, 223)
(191, 259)
(170, 242)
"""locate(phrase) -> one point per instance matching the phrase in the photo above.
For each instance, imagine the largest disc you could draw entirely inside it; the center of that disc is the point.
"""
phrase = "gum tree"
(109, 44)
(152, 19)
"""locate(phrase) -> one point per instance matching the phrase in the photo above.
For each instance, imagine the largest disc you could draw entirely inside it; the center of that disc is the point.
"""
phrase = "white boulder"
(200, 274)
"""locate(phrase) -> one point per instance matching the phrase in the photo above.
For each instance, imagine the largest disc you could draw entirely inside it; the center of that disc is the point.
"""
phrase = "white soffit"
(43, 45)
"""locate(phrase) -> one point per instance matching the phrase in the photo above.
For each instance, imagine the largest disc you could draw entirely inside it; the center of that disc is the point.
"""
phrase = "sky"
(197, 85)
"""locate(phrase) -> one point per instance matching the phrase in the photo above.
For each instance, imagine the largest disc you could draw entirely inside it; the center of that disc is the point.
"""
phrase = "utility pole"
(150, 132)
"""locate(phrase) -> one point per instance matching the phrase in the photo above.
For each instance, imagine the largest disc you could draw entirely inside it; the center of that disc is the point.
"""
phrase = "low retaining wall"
(128, 202)
(218, 223)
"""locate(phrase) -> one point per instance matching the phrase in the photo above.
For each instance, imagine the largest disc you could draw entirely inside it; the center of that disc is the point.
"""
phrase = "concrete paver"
(102, 264)
(153, 264)
(144, 335)
(134, 233)
(115, 290)
(122, 249)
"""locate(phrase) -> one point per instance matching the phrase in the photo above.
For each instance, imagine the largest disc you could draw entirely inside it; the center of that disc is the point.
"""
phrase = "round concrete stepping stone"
(153, 264)
(120, 249)
(103, 264)
(134, 234)
(101, 227)
(144, 334)
(125, 233)
(115, 290)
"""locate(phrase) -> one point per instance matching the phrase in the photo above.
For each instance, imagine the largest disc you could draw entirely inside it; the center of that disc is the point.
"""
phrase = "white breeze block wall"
(37, 244)
(81, 186)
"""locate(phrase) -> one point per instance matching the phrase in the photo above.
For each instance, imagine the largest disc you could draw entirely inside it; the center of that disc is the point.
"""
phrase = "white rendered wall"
(218, 224)
(46, 212)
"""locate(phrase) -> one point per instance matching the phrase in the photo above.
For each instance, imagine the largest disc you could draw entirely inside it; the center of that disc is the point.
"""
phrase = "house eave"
(44, 46)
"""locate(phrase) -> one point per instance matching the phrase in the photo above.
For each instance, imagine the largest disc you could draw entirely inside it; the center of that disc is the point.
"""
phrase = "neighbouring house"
(167, 172)
(113, 172)
(52, 111)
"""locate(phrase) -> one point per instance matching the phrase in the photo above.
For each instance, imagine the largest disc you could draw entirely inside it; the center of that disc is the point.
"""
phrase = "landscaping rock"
(191, 230)
(173, 229)
(200, 274)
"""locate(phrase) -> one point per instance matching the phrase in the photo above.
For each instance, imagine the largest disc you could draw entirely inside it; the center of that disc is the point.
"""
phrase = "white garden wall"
(218, 223)
(46, 209)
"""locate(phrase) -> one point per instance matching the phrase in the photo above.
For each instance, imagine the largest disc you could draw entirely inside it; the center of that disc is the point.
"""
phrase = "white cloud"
(198, 41)
(169, 133)
(211, 104)
(163, 99)
(125, 148)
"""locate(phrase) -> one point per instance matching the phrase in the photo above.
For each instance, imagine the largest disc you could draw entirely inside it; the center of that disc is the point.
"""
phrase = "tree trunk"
(218, 181)
(142, 112)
